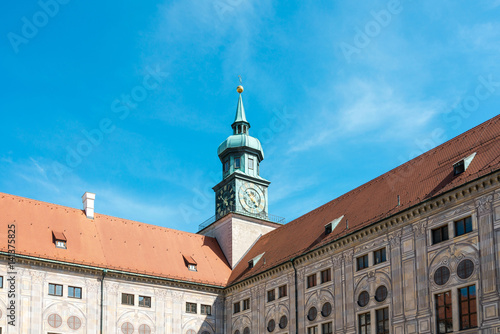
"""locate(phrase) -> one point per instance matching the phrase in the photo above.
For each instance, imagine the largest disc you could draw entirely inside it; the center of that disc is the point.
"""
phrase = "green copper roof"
(240, 112)
(241, 141)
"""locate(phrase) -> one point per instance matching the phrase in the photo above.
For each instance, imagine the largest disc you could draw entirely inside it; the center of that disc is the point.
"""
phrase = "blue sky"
(130, 99)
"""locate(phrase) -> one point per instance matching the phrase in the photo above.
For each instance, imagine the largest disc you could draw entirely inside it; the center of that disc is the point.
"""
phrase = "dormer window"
(332, 225)
(250, 264)
(328, 228)
(59, 239)
(190, 263)
(461, 166)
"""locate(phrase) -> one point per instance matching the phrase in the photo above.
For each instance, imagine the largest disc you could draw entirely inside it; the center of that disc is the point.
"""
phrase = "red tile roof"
(427, 176)
(114, 243)
(109, 242)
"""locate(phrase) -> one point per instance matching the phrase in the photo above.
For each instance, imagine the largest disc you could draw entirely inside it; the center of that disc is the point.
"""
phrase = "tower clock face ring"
(251, 198)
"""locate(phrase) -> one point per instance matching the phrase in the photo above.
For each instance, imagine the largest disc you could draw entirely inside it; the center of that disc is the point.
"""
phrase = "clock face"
(251, 198)
(225, 199)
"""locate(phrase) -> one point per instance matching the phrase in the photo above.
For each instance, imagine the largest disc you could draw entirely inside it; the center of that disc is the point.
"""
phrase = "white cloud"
(369, 108)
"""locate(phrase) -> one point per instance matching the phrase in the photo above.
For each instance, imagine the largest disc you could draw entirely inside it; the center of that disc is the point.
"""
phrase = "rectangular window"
(468, 307)
(463, 226)
(311, 281)
(236, 307)
(327, 328)
(191, 308)
(326, 276)
(364, 323)
(382, 317)
(206, 309)
(250, 163)
(127, 299)
(362, 262)
(1, 282)
(237, 162)
(444, 317)
(226, 166)
(61, 244)
(439, 234)
(144, 301)
(312, 330)
(379, 256)
(270, 295)
(246, 304)
(55, 289)
(282, 291)
(74, 292)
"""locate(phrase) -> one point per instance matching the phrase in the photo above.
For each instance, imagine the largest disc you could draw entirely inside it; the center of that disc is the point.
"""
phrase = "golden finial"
(239, 89)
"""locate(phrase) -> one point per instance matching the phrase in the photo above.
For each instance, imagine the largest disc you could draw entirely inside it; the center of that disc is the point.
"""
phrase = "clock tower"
(241, 190)
(241, 206)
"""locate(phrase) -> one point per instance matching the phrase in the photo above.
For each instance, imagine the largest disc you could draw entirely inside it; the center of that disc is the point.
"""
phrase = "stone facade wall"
(38, 312)
(409, 274)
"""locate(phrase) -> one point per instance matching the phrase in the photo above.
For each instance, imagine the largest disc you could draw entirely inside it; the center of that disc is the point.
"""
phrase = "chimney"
(88, 204)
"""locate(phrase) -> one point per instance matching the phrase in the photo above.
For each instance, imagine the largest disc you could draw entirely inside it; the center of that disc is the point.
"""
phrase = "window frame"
(469, 301)
(250, 163)
(441, 236)
(367, 323)
(445, 306)
(146, 304)
(362, 262)
(466, 223)
(311, 281)
(236, 307)
(383, 256)
(55, 290)
(61, 244)
(246, 304)
(327, 330)
(384, 321)
(128, 295)
(205, 309)
(312, 330)
(75, 288)
(328, 277)
(271, 295)
(282, 291)
(237, 162)
(191, 308)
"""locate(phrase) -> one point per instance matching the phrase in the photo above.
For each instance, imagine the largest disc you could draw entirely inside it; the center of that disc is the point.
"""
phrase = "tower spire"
(240, 124)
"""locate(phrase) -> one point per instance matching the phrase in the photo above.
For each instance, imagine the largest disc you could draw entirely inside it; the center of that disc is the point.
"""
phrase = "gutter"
(102, 296)
(296, 298)
(111, 270)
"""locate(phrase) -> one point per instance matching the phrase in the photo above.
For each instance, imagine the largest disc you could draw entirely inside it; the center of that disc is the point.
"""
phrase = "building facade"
(415, 250)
